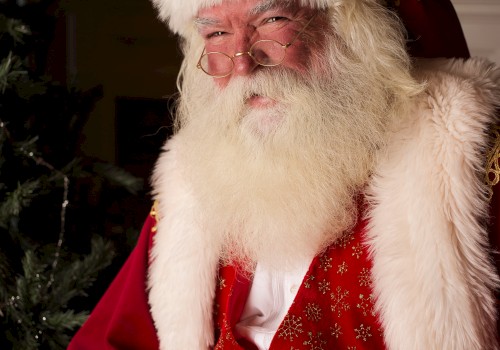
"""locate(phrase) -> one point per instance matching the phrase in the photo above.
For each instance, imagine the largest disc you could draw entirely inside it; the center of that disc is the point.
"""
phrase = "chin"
(262, 121)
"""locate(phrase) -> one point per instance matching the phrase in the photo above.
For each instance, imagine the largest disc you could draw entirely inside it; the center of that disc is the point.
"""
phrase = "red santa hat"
(433, 26)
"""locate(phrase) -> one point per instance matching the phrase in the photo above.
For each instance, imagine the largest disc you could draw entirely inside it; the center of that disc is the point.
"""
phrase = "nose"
(243, 62)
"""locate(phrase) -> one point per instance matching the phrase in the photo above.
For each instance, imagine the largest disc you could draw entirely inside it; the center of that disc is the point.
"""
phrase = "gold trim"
(154, 214)
(492, 175)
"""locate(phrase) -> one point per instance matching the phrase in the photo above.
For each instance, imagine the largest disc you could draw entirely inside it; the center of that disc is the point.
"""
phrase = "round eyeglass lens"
(267, 52)
(217, 64)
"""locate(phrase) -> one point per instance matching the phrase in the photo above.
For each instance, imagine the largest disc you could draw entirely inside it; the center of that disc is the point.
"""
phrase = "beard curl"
(280, 194)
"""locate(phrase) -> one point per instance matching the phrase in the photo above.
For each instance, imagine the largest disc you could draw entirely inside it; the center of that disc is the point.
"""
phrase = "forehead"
(209, 15)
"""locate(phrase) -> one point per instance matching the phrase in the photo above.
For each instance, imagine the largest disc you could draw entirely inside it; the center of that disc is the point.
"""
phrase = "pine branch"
(27, 148)
(67, 320)
(75, 278)
(29, 286)
(10, 71)
(4, 135)
(37, 314)
(4, 279)
(119, 177)
(16, 200)
(15, 28)
(57, 324)
(21, 305)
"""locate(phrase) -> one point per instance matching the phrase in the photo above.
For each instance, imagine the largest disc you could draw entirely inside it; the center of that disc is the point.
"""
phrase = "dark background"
(121, 46)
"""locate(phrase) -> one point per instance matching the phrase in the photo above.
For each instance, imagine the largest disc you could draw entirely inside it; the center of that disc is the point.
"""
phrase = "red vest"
(333, 308)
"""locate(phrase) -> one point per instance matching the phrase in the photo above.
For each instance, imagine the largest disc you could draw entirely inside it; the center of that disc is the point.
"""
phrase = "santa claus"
(323, 190)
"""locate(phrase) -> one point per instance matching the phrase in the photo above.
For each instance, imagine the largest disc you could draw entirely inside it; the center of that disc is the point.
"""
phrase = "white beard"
(280, 183)
(262, 122)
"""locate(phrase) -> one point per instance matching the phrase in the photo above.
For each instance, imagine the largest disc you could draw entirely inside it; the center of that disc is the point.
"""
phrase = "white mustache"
(272, 82)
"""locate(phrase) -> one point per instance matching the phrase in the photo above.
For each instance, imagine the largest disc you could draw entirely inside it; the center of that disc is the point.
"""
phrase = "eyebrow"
(202, 21)
(264, 6)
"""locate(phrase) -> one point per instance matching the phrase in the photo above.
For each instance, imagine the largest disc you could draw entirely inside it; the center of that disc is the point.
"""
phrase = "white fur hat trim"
(179, 14)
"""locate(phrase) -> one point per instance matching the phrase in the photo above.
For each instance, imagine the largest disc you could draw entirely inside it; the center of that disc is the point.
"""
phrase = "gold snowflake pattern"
(342, 268)
(324, 286)
(222, 283)
(366, 305)
(325, 262)
(363, 332)
(344, 240)
(365, 278)
(339, 301)
(313, 312)
(226, 335)
(308, 281)
(315, 342)
(357, 251)
(336, 330)
(291, 327)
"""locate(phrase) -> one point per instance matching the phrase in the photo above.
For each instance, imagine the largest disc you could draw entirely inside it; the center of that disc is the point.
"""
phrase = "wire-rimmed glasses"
(265, 52)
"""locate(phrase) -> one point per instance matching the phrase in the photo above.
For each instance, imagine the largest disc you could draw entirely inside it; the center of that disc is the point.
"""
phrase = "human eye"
(214, 34)
(275, 20)
(272, 24)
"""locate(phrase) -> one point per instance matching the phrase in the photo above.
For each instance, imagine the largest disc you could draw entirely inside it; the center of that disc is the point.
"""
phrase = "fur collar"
(432, 276)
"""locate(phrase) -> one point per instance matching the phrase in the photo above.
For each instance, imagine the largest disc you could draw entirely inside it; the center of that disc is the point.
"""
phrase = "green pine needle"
(16, 200)
(119, 177)
(10, 70)
(36, 311)
(77, 276)
(15, 28)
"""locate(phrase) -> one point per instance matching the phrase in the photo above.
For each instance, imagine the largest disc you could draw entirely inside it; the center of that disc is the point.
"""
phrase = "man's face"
(274, 154)
(233, 26)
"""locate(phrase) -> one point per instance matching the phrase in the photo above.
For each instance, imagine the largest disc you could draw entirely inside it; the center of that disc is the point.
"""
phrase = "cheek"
(297, 58)
(222, 82)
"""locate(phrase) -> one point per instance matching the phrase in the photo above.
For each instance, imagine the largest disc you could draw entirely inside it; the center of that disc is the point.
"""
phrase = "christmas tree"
(50, 247)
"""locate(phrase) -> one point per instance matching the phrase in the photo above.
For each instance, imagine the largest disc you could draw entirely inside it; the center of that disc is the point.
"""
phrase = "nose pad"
(243, 64)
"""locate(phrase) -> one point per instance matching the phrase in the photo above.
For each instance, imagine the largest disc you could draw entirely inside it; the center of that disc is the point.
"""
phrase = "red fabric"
(333, 308)
(494, 232)
(121, 319)
(433, 27)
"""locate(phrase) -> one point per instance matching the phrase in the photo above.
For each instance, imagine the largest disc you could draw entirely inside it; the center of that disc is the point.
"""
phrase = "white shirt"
(270, 297)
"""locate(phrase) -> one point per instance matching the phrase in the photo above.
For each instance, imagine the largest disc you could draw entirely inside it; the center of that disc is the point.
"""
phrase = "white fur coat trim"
(432, 276)
(431, 271)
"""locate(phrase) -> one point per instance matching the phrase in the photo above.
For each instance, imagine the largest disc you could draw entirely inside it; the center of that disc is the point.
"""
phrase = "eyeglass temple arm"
(198, 65)
(299, 33)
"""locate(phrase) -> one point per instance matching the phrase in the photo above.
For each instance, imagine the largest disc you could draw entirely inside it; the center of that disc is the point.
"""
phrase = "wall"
(122, 46)
(481, 24)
